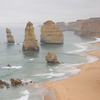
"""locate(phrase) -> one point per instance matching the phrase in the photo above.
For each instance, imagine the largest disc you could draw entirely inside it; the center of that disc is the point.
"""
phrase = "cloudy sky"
(22, 11)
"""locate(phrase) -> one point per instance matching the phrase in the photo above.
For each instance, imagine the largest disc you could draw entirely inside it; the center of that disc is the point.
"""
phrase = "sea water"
(33, 66)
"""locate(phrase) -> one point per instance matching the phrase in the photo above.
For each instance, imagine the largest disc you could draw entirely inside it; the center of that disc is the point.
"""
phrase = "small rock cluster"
(4, 84)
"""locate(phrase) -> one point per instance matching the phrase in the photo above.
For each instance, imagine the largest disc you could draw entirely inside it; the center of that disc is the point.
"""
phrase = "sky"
(22, 11)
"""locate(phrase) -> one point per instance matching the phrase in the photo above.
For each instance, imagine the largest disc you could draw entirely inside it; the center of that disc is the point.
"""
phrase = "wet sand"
(84, 86)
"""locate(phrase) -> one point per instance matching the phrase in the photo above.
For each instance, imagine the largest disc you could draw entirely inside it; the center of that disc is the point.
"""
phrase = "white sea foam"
(97, 40)
(31, 59)
(25, 92)
(23, 98)
(16, 67)
(81, 46)
(51, 74)
(92, 58)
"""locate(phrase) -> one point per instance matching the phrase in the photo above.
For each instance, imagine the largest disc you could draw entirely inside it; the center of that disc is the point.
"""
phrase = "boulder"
(30, 42)
(15, 82)
(3, 84)
(10, 38)
(50, 33)
(51, 58)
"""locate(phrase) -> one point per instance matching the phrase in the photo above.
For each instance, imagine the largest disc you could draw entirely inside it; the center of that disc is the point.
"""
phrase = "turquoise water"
(33, 66)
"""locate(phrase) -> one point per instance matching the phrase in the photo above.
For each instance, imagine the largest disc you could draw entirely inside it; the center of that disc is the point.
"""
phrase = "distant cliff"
(50, 33)
(90, 27)
(62, 26)
(78, 25)
(71, 26)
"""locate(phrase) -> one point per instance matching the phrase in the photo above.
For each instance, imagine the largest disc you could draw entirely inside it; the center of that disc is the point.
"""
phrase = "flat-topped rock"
(30, 42)
(50, 33)
(71, 26)
(62, 26)
(51, 58)
(10, 38)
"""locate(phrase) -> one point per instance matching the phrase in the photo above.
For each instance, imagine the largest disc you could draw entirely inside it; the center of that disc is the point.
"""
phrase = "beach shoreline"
(84, 86)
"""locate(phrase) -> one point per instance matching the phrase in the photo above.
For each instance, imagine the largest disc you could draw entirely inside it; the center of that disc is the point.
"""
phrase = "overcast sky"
(22, 11)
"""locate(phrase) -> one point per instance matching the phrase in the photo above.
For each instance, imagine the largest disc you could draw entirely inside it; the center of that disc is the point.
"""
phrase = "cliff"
(10, 38)
(90, 27)
(71, 26)
(62, 26)
(30, 42)
(50, 33)
(78, 25)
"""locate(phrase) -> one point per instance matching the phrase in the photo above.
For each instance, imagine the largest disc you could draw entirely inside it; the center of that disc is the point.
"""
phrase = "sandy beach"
(84, 86)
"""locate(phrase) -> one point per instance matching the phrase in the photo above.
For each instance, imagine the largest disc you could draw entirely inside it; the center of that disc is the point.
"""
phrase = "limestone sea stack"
(51, 58)
(10, 38)
(50, 33)
(90, 27)
(30, 42)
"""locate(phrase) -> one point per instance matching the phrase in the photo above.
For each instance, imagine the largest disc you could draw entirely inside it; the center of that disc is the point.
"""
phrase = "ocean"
(33, 66)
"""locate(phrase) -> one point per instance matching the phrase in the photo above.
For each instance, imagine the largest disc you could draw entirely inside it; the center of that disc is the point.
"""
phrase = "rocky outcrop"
(30, 42)
(3, 84)
(51, 58)
(50, 33)
(15, 82)
(90, 27)
(78, 25)
(71, 26)
(10, 38)
(62, 26)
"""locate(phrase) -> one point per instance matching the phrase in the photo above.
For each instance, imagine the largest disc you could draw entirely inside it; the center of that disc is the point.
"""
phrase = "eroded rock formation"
(51, 58)
(3, 84)
(10, 38)
(15, 82)
(78, 25)
(30, 42)
(50, 33)
(62, 26)
(90, 27)
(71, 26)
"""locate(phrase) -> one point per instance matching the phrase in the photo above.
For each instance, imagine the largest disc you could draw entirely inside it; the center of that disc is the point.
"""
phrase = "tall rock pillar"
(10, 38)
(30, 42)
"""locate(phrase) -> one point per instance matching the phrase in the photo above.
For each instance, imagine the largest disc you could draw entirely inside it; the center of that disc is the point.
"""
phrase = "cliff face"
(10, 38)
(71, 26)
(78, 25)
(62, 26)
(30, 42)
(50, 33)
(90, 27)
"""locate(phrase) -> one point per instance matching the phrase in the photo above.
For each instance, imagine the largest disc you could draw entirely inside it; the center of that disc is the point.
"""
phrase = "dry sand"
(84, 86)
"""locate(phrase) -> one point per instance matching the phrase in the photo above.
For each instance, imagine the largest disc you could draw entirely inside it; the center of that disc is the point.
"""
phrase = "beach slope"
(84, 86)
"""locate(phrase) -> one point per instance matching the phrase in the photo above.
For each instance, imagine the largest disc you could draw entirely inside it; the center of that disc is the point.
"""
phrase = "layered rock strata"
(30, 42)
(78, 25)
(10, 38)
(51, 58)
(90, 27)
(62, 26)
(71, 26)
(50, 33)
